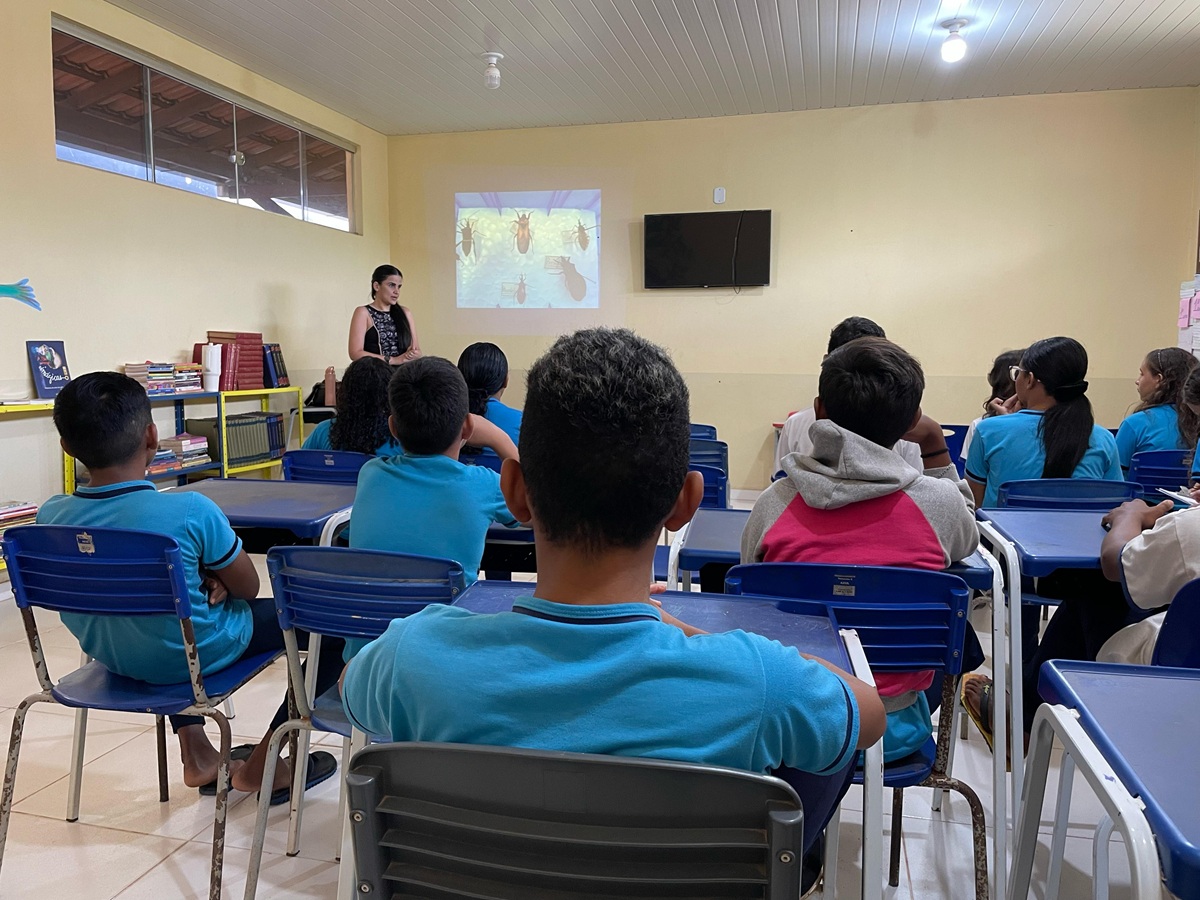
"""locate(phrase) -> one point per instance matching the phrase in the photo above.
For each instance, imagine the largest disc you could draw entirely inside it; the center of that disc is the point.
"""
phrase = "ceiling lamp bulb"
(954, 47)
(491, 74)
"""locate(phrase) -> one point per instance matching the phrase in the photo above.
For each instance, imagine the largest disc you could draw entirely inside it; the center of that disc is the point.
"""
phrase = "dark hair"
(428, 399)
(485, 368)
(396, 311)
(873, 388)
(852, 329)
(1189, 396)
(1174, 365)
(362, 407)
(1060, 364)
(604, 439)
(102, 418)
(1000, 380)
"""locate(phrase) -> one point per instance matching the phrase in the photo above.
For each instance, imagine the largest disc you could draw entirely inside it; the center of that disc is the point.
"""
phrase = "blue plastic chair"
(484, 457)
(716, 487)
(345, 593)
(908, 620)
(1178, 643)
(1154, 469)
(1067, 493)
(705, 432)
(704, 452)
(956, 435)
(323, 466)
(105, 572)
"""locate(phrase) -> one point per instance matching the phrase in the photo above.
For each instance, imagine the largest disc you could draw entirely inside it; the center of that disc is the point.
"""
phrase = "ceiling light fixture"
(954, 48)
(491, 75)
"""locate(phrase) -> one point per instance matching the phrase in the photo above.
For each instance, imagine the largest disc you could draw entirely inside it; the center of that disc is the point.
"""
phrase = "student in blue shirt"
(588, 662)
(1052, 435)
(361, 423)
(424, 500)
(485, 368)
(104, 421)
(1161, 420)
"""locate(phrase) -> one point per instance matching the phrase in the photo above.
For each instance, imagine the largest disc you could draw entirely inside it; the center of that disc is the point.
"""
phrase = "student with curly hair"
(1161, 420)
(361, 423)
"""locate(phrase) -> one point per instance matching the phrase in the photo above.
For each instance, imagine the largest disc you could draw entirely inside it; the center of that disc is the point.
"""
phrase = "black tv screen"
(708, 249)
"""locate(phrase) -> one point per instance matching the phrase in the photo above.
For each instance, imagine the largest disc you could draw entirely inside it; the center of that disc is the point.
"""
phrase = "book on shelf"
(248, 367)
(48, 362)
(274, 369)
(185, 443)
(16, 512)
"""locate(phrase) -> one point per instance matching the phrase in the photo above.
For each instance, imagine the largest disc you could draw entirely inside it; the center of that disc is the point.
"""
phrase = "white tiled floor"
(128, 845)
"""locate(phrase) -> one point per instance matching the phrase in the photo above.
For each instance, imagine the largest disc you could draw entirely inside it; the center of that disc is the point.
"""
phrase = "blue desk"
(1141, 722)
(300, 507)
(710, 612)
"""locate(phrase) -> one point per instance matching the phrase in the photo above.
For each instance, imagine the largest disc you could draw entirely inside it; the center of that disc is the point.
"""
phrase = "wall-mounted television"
(709, 249)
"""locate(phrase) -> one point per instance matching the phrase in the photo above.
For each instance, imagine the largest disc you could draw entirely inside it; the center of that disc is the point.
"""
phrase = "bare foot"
(249, 776)
(200, 758)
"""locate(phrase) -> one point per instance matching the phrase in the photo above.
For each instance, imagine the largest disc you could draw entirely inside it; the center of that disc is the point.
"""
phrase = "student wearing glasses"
(1052, 435)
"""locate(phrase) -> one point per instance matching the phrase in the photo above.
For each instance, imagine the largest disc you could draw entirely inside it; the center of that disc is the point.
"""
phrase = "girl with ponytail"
(1162, 420)
(485, 369)
(1053, 435)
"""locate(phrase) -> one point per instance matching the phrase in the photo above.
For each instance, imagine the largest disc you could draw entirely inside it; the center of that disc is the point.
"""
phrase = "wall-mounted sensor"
(718, 195)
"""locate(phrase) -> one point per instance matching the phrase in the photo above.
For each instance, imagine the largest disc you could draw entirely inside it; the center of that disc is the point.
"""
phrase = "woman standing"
(383, 328)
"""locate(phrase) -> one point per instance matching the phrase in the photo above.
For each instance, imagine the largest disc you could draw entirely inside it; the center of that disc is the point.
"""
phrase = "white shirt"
(794, 439)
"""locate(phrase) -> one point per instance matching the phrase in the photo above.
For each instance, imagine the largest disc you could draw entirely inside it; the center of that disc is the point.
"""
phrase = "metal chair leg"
(1062, 812)
(833, 831)
(75, 782)
(10, 768)
(287, 729)
(897, 820)
(222, 808)
(230, 712)
(1104, 830)
(160, 733)
(342, 792)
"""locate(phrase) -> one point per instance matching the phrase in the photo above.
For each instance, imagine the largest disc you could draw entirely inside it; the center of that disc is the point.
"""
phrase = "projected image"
(527, 249)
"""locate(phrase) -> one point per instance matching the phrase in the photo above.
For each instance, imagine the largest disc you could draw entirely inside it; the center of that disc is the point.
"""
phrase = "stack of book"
(16, 512)
(190, 449)
(253, 437)
(164, 461)
(187, 378)
(248, 368)
(156, 377)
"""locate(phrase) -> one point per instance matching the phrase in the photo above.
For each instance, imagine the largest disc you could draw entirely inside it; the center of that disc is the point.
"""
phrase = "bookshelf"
(263, 395)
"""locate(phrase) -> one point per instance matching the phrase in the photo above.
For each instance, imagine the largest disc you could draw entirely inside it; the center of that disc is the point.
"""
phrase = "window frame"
(152, 63)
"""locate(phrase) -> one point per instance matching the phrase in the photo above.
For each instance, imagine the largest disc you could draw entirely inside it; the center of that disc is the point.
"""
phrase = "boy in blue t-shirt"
(104, 421)
(425, 501)
(588, 662)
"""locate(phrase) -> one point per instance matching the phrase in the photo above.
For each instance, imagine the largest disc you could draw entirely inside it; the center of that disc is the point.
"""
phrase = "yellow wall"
(127, 270)
(964, 227)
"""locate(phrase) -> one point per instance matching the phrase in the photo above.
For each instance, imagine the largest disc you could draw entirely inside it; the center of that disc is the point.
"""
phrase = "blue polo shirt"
(318, 439)
(1156, 428)
(610, 679)
(1008, 448)
(428, 505)
(505, 418)
(150, 648)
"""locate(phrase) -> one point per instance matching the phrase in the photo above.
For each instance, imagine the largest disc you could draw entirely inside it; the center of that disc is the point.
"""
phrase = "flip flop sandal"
(984, 717)
(240, 752)
(321, 766)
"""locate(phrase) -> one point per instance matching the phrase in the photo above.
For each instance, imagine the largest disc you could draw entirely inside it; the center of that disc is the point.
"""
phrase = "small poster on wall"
(48, 360)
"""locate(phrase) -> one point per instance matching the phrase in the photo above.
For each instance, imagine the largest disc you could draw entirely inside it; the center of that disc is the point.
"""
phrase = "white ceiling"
(413, 66)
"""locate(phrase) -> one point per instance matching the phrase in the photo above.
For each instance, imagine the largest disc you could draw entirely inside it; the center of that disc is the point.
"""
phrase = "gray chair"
(452, 820)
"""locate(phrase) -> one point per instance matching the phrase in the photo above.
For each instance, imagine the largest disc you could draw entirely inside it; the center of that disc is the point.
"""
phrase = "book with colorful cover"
(48, 360)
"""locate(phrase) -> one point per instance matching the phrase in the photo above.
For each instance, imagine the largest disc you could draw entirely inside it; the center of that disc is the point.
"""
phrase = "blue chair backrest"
(1178, 643)
(1154, 469)
(716, 487)
(705, 452)
(707, 432)
(99, 571)
(955, 436)
(323, 466)
(484, 457)
(347, 593)
(908, 619)
(1067, 493)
